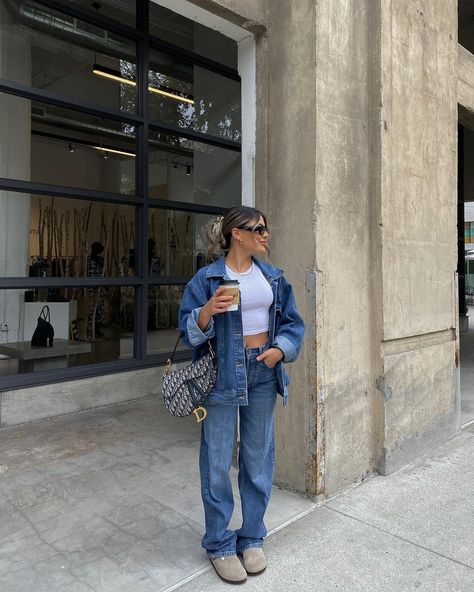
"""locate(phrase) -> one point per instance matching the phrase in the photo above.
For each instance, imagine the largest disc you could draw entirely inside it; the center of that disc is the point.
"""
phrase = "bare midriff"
(256, 340)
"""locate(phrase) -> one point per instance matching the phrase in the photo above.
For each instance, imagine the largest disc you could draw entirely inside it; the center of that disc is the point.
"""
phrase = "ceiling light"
(113, 151)
(188, 170)
(170, 95)
(115, 75)
(111, 74)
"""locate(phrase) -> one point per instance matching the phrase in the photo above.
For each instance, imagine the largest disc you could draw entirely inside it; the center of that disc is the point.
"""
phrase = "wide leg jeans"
(256, 462)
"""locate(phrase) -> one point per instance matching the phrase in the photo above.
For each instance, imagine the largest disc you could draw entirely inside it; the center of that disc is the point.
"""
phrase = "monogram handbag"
(185, 389)
(44, 332)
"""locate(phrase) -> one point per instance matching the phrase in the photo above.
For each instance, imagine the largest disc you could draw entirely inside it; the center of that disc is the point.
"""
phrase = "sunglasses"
(260, 228)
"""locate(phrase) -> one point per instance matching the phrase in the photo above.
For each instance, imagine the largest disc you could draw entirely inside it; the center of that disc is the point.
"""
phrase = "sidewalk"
(413, 530)
(108, 501)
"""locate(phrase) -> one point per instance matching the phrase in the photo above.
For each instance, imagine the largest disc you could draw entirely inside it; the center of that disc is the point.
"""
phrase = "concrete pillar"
(343, 222)
(286, 156)
(419, 339)
(15, 146)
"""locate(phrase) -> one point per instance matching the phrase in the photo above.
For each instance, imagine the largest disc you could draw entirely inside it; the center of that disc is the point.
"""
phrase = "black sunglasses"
(260, 228)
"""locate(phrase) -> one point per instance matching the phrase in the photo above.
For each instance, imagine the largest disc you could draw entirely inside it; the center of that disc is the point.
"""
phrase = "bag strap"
(44, 314)
(174, 350)
(170, 359)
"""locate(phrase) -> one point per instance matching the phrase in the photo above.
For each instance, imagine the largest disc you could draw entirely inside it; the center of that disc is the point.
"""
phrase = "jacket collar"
(217, 269)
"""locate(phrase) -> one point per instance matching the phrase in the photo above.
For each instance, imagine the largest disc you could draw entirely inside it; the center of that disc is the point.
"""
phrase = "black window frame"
(141, 200)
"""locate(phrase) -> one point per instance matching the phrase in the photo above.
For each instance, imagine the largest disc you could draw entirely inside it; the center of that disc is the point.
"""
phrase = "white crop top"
(256, 297)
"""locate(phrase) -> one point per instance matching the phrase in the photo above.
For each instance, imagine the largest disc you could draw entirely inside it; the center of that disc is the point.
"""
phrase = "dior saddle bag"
(184, 390)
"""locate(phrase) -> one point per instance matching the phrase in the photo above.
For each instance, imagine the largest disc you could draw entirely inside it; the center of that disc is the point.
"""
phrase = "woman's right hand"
(218, 302)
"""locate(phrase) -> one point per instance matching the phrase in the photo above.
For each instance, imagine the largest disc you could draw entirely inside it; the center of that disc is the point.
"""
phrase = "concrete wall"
(343, 240)
(418, 233)
(362, 123)
(286, 153)
(25, 405)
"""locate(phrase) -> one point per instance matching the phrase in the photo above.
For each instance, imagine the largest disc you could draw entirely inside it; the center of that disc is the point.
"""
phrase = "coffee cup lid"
(228, 282)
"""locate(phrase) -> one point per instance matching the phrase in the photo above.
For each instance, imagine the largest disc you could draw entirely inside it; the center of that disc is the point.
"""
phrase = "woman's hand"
(270, 357)
(217, 303)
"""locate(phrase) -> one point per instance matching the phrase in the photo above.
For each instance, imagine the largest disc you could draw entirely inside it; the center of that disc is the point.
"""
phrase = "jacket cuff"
(195, 335)
(286, 347)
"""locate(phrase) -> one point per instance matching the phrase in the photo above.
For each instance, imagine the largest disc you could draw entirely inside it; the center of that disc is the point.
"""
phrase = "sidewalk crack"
(399, 537)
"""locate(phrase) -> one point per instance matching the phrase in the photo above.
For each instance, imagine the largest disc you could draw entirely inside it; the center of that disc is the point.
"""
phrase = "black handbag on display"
(44, 332)
(184, 390)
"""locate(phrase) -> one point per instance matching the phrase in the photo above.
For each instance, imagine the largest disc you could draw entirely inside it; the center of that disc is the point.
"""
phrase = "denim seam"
(212, 555)
(251, 546)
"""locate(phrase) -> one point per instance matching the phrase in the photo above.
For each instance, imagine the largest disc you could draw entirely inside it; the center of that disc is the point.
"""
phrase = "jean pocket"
(265, 373)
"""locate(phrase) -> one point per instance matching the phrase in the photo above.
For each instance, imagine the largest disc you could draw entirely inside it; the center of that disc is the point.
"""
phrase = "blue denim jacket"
(286, 331)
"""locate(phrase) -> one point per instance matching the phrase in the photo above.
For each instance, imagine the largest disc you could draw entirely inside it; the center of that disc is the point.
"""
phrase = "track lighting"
(115, 75)
(105, 151)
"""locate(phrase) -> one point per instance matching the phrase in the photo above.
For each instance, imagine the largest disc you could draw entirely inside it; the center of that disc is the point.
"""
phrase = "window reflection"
(123, 11)
(56, 52)
(67, 147)
(162, 319)
(89, 325)
(193, 172)
(176, 244)
(194, 98)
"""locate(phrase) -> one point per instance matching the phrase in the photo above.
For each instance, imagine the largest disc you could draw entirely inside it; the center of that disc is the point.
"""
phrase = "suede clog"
(255, 561)
(229, 569)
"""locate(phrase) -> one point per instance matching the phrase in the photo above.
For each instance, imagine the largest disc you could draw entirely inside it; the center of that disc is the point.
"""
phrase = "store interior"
(58, 236)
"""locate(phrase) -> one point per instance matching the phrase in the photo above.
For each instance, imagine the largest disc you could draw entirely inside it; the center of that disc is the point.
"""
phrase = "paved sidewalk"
(413, 530)
(108, 501)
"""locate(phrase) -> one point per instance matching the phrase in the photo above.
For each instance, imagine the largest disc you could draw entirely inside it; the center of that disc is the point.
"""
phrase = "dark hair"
(97, 248)
(219, 230)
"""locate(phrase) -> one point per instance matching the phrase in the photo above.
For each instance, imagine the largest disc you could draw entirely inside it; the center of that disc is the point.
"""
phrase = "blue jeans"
(256, 462)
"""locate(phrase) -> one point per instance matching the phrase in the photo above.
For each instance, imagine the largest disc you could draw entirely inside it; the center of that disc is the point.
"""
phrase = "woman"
(250, 344)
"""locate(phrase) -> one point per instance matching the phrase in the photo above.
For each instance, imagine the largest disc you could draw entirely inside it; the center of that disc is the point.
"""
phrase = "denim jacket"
(286, 330)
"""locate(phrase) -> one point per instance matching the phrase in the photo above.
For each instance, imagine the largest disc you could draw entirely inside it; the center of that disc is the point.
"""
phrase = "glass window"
(176, 243)
(62, 237)
(65, 147)
(193, 97)
(162, 319)
(187, 34)
(89, 325)
(194, 90)
(56, 52)
(122, 11)
(193, 172)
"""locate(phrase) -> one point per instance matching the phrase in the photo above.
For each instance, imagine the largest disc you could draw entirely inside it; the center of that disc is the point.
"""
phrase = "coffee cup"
(231, 289)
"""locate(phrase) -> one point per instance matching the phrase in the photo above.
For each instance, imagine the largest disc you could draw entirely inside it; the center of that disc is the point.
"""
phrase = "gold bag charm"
(198, 417)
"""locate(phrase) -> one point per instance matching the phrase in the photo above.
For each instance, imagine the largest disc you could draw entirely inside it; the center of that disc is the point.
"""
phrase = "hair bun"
(215, 237)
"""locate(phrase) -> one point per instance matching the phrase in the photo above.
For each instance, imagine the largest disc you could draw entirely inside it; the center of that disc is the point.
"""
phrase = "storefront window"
(192, 97)
(90, 325)
(123, 11)
(193, 172)
(104, 197)
(60, 53)
(67, 147)
(58, 237)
